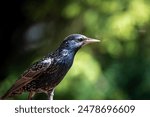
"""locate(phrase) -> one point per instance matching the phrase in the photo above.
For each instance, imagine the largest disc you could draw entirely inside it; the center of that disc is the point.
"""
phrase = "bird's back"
(51, 77)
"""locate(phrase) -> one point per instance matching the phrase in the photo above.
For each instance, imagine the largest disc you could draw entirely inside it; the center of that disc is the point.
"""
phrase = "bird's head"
(76, 41)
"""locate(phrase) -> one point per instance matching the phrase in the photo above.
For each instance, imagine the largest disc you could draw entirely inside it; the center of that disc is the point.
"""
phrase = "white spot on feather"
(47, 61)
(65, 52)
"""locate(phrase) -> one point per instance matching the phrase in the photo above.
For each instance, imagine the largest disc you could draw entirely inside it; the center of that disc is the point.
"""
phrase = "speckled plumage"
(47, 73)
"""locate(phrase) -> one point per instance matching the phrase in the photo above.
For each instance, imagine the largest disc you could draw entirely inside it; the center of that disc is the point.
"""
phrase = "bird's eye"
(80, 39)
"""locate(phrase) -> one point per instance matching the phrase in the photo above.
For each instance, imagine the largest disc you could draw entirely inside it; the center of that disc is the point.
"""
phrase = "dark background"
(116, 68)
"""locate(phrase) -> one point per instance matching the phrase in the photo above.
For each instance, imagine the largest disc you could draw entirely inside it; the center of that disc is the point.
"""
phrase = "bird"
(44, 75)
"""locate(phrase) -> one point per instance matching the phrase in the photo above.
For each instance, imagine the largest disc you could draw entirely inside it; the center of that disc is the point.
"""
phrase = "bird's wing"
(30, 74)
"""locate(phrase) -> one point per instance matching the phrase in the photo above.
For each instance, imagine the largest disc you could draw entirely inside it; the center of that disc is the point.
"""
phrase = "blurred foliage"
(116, 68)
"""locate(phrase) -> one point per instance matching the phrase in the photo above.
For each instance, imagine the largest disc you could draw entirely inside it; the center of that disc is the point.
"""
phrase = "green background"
(116, 68)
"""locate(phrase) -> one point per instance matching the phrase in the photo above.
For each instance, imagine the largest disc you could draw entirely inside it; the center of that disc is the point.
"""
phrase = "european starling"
(45, 74)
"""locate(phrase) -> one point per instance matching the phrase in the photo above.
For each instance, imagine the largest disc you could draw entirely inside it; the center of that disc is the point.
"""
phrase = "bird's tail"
(17, 88)
(11, 92)
(6, 95)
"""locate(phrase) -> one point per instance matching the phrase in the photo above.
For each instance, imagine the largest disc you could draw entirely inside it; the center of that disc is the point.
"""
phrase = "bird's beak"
(90, 40)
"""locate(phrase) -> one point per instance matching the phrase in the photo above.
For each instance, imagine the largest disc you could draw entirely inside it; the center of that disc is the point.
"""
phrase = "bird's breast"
(66, 58)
